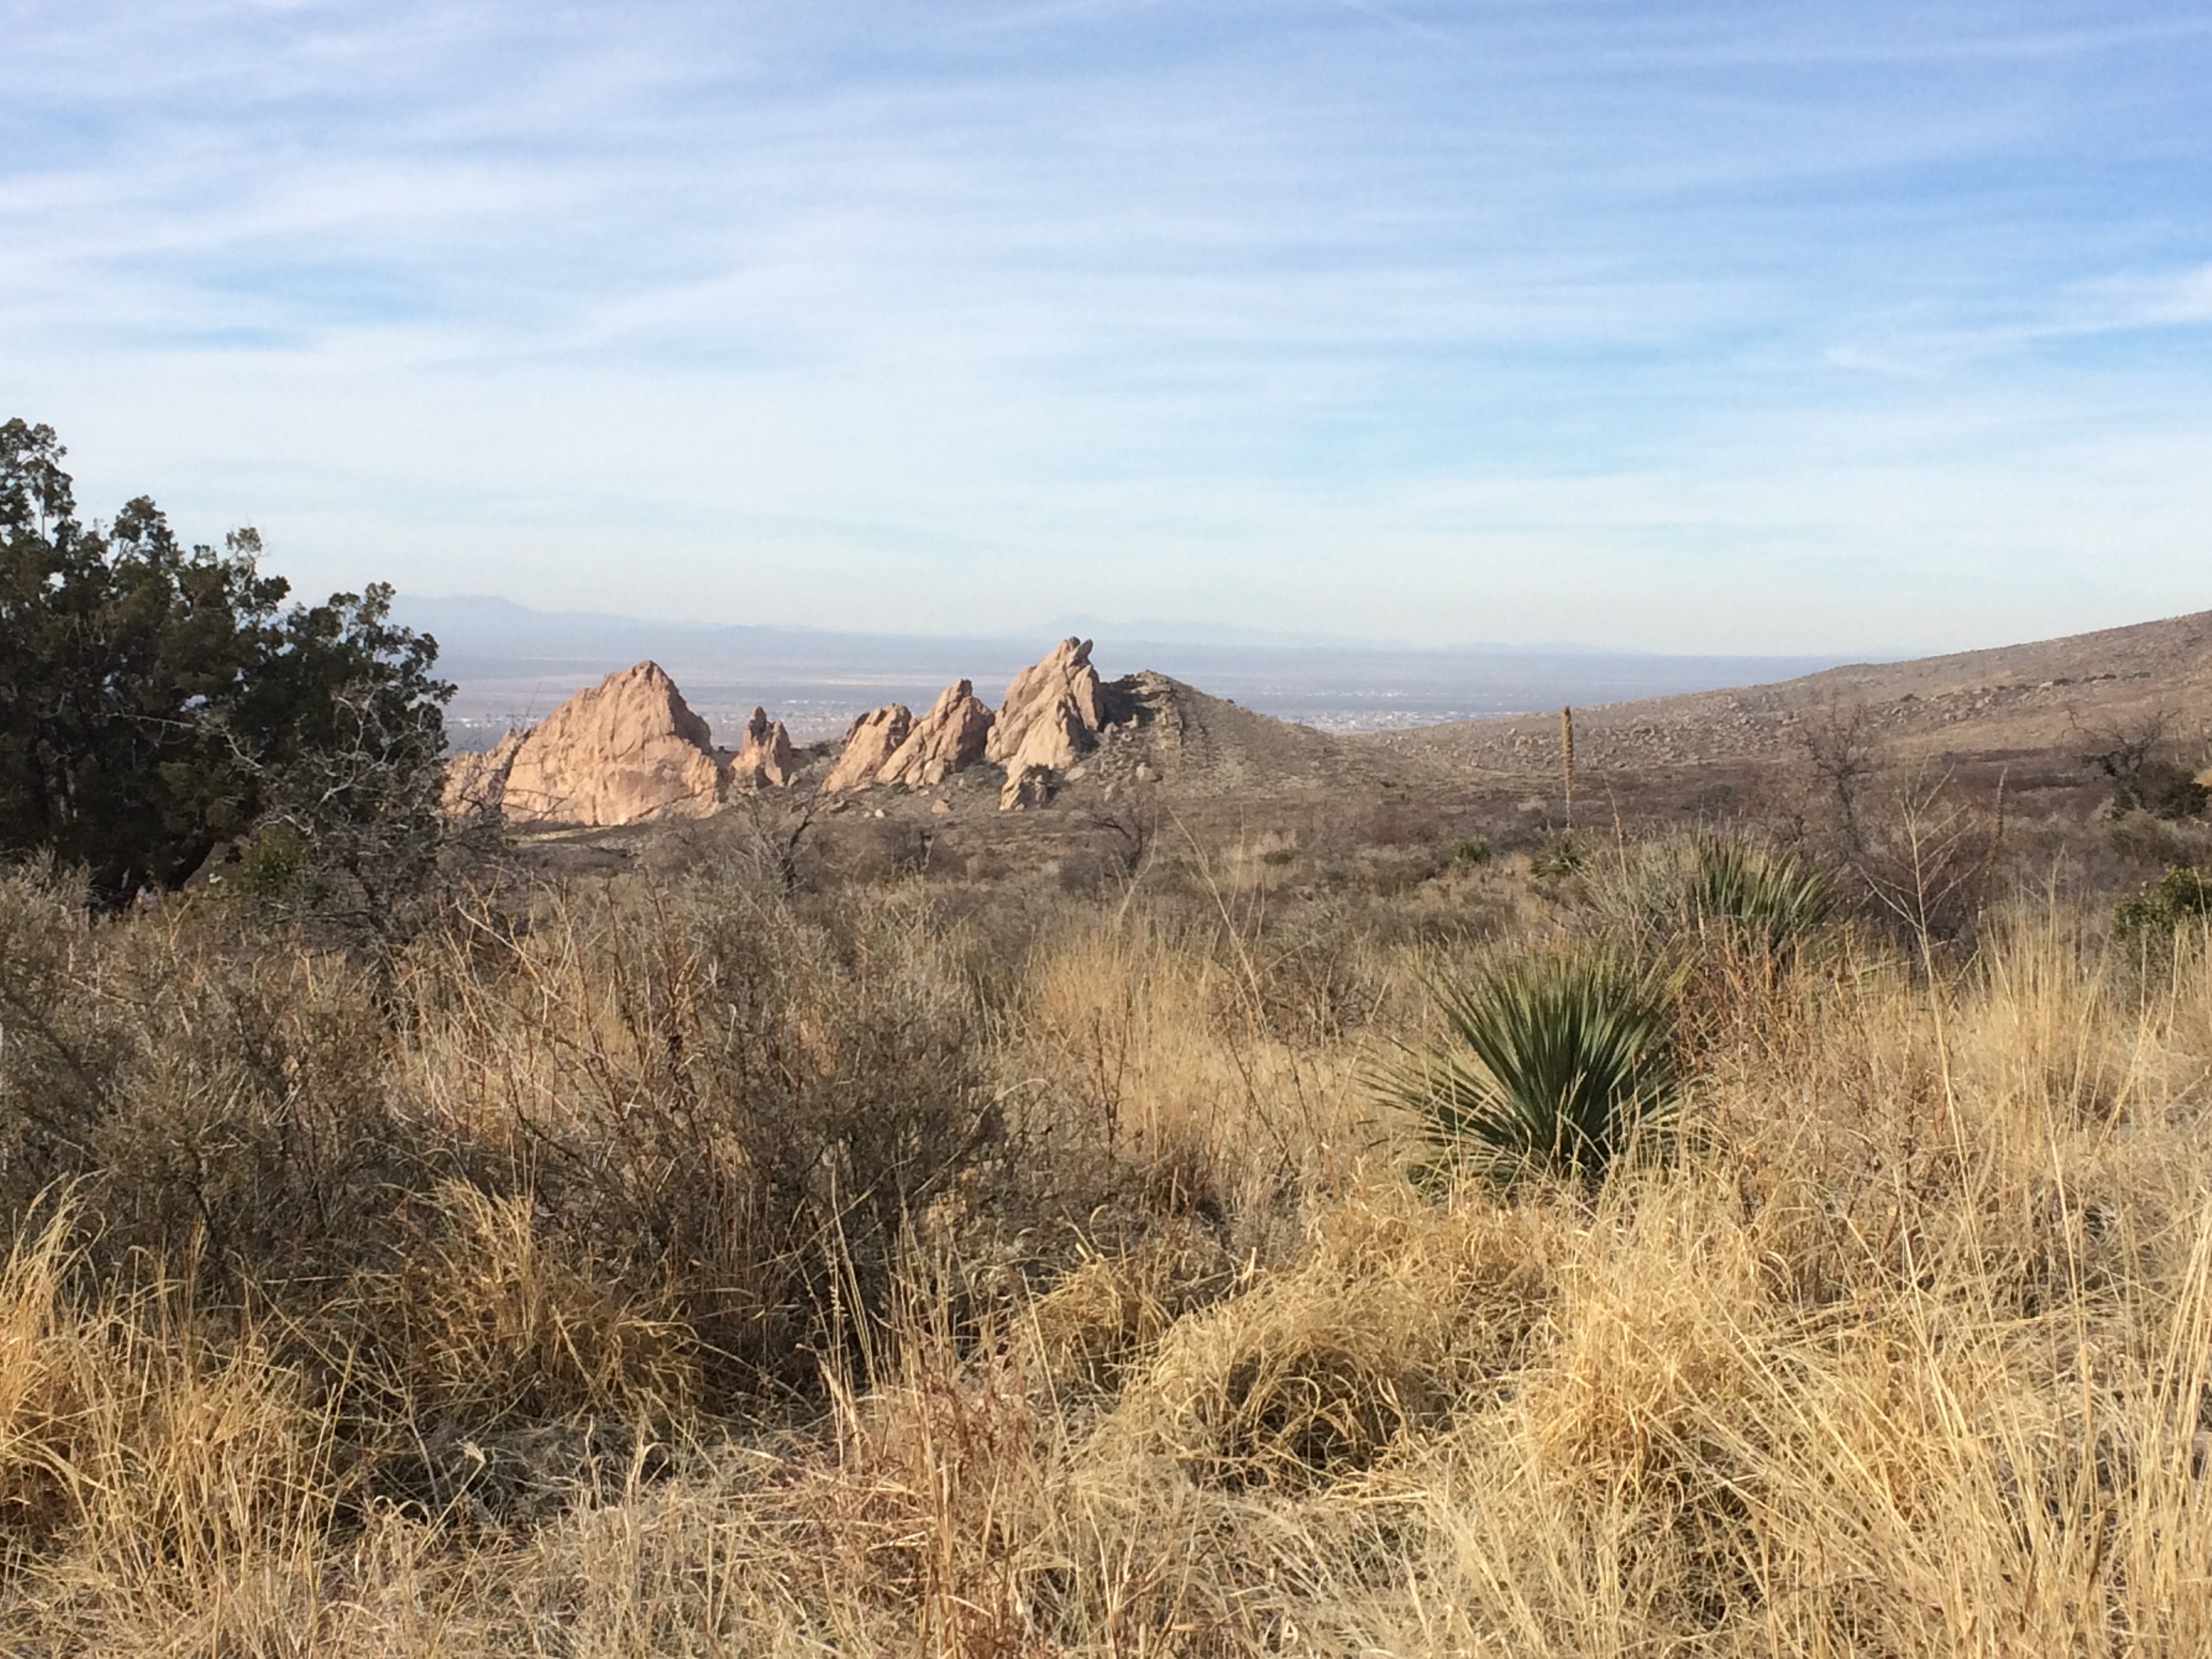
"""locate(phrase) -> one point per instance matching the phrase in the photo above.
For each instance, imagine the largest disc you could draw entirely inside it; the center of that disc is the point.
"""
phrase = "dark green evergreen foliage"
(157, 700)
(1559, 1057)
(1470, 850)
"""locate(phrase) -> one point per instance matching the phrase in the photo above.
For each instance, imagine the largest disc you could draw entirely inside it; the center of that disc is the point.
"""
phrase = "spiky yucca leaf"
(1557, 1057)
(1772, 898)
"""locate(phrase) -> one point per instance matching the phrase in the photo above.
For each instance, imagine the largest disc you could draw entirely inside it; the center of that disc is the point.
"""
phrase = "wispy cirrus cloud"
(1714, 327)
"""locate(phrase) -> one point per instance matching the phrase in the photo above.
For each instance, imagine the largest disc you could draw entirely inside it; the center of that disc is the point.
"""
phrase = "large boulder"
(954, 734)
(1053, 713)
(870, 741)
(1026, 786)
(766, 760)
(626, 750)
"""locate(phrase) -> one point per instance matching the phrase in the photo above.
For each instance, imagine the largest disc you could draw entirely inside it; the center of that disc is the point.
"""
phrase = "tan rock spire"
(627, 749)
(869, 742)
(767, 759)
(1052, 713)
(954, 734)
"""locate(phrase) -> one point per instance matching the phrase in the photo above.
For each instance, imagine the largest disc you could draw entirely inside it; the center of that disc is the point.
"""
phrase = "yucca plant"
(1776, 899)
(1723, 887)
(1558, 1058)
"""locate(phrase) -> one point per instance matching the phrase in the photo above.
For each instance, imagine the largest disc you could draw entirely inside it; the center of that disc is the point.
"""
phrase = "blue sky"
(1698, 327)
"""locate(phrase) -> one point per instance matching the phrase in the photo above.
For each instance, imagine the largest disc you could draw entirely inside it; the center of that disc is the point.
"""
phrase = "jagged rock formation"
(627, 749)
(952, 735)
(631, 749)
(1053, 713)
(766, 760)
(870, 741)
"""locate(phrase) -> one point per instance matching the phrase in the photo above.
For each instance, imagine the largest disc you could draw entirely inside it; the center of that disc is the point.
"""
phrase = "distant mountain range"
(512, 663)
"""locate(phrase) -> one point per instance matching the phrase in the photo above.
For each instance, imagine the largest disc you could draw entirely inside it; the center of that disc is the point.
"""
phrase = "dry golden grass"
(1904, 1347)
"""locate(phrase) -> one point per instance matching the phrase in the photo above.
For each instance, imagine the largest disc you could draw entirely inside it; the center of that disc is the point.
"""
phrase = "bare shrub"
(1925, 863)
(2139, 759)
(1843, 752)
(716, 1091)
(216, 1101)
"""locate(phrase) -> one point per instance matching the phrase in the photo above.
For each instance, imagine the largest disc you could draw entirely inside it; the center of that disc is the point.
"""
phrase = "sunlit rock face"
(624, 750)
(870, 741)
(1052, 712)
(766, 760)
(951, 736)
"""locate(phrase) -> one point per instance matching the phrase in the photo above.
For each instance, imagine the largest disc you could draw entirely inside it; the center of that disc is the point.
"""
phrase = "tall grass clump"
(1557, 1059)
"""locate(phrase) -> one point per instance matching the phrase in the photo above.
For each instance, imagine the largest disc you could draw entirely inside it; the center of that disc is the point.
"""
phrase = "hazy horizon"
(1198, 632)
(512, 663)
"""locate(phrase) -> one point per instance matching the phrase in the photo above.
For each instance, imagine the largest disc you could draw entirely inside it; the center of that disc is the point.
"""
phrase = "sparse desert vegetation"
(1192, 1187)
(876, 1262)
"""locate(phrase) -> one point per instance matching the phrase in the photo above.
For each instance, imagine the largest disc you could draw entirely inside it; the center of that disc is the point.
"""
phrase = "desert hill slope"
(2022, 716)
(2042, 697)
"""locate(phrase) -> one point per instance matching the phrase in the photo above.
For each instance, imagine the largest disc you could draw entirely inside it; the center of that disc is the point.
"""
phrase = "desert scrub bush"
(211, 1096)
(738, 1102)
(1469, 850)
(2181, 896)
(1558, 855)
(1559, 1059)
(59, 1061)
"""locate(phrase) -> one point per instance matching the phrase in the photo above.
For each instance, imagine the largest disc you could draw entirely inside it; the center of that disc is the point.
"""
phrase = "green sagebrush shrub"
(1556, 1061)
(2183, 893)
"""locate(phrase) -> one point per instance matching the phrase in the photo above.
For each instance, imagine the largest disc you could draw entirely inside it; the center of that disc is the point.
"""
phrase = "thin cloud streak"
(1278, 315)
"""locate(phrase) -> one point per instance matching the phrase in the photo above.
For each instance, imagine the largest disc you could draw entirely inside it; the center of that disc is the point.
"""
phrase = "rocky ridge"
(952, 735)
(1053, 715)
(627, 750)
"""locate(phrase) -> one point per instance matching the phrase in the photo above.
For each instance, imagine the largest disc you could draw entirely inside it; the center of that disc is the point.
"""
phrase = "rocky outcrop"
(631, 748)
(476, 782)
(954, 734)
(626, 750)
(1053, 713)
(766, 760)
(870, 741)
(1026, 786)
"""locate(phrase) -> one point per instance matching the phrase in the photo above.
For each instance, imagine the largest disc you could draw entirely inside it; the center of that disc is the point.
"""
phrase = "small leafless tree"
(1839, 742)
(2137, 755)
(775, 823)
(1134, 822)
(1927, 862)
(356, 838)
